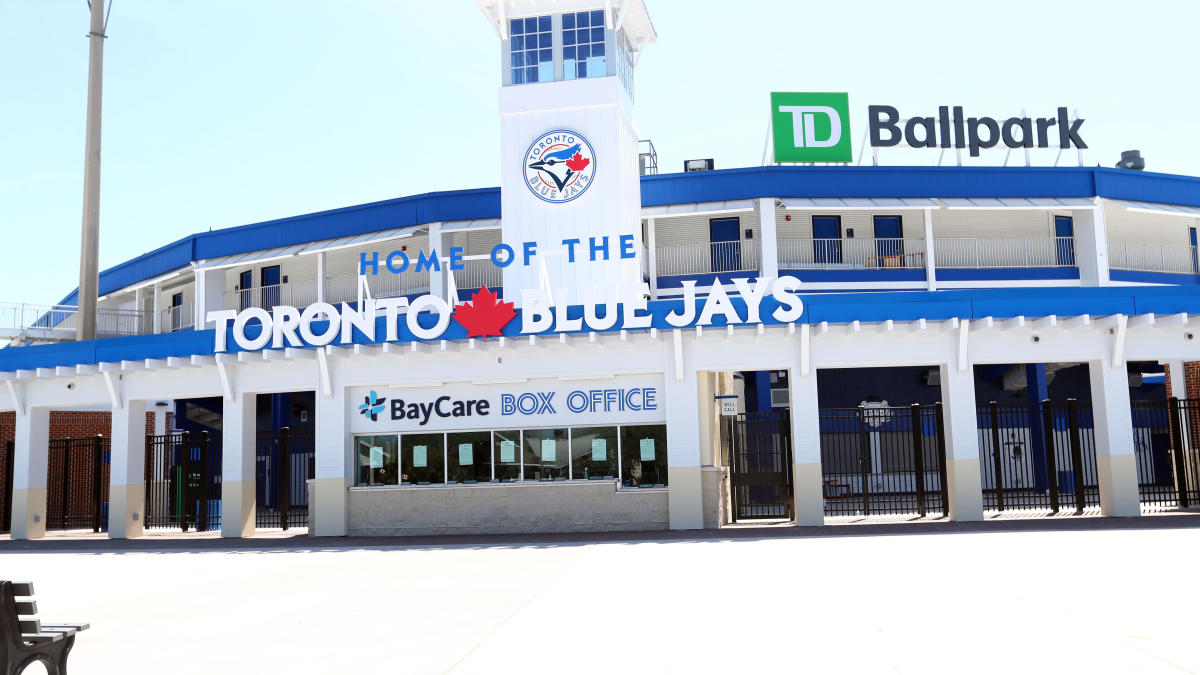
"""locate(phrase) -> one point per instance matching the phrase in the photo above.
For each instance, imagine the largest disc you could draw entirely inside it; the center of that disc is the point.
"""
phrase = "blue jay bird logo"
(559, 166)
(372, 406)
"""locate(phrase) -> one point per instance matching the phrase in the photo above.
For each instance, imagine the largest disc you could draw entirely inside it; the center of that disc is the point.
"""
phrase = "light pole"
(89, 251)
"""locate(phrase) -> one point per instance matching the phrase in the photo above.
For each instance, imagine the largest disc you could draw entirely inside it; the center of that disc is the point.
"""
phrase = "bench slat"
(41, 638)
(66, 631)
(76, 626)
(29, 626)
(22, 589)
(27, 608)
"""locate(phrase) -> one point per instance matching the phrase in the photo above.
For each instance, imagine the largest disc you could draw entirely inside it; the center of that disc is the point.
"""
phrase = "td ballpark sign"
(815, 127)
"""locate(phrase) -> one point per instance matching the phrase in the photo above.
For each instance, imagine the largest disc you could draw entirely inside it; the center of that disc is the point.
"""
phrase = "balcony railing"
(21, 321)
(707, 258)
(293, 294)
(382, 285)
(478, 273)
(1145, 257)
(179, 317)
(831, 254)
(1004, 252)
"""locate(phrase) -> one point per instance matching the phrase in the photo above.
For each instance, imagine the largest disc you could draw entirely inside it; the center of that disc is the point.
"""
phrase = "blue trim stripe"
(831, 307)
(1008, 273)
(1154, 278)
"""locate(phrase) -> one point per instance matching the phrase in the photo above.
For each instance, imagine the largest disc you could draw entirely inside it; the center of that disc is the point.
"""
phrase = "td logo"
(811, 127)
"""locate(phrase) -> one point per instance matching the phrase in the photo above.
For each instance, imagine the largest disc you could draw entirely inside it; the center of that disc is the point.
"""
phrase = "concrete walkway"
(1053, 595)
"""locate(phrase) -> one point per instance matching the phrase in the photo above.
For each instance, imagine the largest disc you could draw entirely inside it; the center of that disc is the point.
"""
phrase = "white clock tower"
(568, 146)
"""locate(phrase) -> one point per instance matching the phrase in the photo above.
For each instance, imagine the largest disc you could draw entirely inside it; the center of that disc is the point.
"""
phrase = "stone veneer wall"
(508, 508)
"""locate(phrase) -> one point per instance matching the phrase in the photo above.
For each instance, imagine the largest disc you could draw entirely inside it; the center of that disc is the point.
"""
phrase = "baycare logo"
(559, 166)
(372, 406)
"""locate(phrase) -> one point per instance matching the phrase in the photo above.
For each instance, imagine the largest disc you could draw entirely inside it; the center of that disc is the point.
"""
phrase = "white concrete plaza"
(1055, 600)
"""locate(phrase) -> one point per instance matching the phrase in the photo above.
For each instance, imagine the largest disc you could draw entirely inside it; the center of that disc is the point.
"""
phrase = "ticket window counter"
(634, 455)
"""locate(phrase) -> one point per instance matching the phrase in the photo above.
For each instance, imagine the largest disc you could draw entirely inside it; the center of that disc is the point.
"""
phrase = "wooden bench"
(24, 639)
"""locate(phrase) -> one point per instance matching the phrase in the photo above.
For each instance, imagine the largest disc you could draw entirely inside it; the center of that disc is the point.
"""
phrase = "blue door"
(176, 311)
(725, 235)
(889, 248)
(270, 286)
(1195, 261)
(827, 239)
(1064, 243)
(245, 294)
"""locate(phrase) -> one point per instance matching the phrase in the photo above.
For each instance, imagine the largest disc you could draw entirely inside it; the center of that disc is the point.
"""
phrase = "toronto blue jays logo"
(559, 166)
(372, 406)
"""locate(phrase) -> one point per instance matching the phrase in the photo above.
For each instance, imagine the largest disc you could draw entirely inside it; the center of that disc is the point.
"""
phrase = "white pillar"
(437, 277)
(1178, 378)
(31, 446)
(681, 397)
(1091, 245)
(127, 471)
(963, 487)
(930, 252)
(157, 318)
(238, 447)
(321, 276)
(328, 491)
(210, 294)
(139, 304)
(768, 238)
(651, 258)
(160, 419)
(806, 448)
(1116, 463)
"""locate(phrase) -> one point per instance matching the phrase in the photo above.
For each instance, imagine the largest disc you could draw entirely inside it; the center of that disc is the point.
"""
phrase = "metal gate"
(183, 481)
(1166, 439)
(879, 459)
(284, 466)
(760, 463)
(6, 501)
(77, 484)
(1037, 456)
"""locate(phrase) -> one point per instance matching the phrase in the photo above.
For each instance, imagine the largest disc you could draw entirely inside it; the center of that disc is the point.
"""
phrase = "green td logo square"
(811, 127)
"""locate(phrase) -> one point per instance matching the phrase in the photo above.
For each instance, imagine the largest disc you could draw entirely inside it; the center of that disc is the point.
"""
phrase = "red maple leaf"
(578, 162)
(484, 314)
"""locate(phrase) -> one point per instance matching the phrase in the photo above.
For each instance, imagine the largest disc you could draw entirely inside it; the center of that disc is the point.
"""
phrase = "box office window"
(378, 458)
(469, 457)
(506, 455)
(594, 453)
(422, 459)
(644, 456)
(546, 452)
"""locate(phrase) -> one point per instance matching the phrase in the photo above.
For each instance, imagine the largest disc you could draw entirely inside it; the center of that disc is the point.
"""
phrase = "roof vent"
(698, 165)
(1132, 159)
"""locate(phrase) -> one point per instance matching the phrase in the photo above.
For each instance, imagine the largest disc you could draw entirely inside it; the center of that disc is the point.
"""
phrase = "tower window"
(583, 45)
(530, 41)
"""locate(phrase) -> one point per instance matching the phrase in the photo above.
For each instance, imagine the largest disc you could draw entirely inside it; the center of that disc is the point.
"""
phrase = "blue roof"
(661, 190)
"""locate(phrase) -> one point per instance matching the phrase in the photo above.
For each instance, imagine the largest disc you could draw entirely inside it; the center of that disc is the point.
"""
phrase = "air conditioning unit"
(698, 165)
(780, 398)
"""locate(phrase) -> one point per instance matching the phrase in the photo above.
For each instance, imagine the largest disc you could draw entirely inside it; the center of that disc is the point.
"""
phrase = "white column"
(31, 445)
(1091, 245)
(930, 253)
(963, 487)
(139, 303)
(157, 318)
(238, 446)
(127, 471)
(768, 238)
(1178, 378)
(321, 276)
(1116, 464)
(681, 397)
(210, 294)
(651, 258)
(328, 491)
(437, 278)
(806, 448)
(160, 419)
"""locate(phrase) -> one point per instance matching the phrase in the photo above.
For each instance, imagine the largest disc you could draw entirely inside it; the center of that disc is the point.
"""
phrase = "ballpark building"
(595, 345)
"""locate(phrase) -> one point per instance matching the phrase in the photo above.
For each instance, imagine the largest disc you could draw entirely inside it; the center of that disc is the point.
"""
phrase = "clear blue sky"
(228, 112)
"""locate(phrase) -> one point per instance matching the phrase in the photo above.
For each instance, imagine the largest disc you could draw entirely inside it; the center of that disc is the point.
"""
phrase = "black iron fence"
(77, 483)
(879, 459)
(284, 466)
(1166, 439)
(6, 499)
(760, 463)
(1038, 456)
(183, 481)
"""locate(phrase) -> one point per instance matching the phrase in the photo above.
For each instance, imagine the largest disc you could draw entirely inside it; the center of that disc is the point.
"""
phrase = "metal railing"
(180, 317)
(59, 322)
(292, 294)
(707, 258)
(1147, 257)
(974, 252)
(478, 273)
(825, 254)
(382, 285)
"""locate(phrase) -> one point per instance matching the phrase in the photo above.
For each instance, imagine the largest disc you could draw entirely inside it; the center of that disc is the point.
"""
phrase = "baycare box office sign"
(625, 399)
